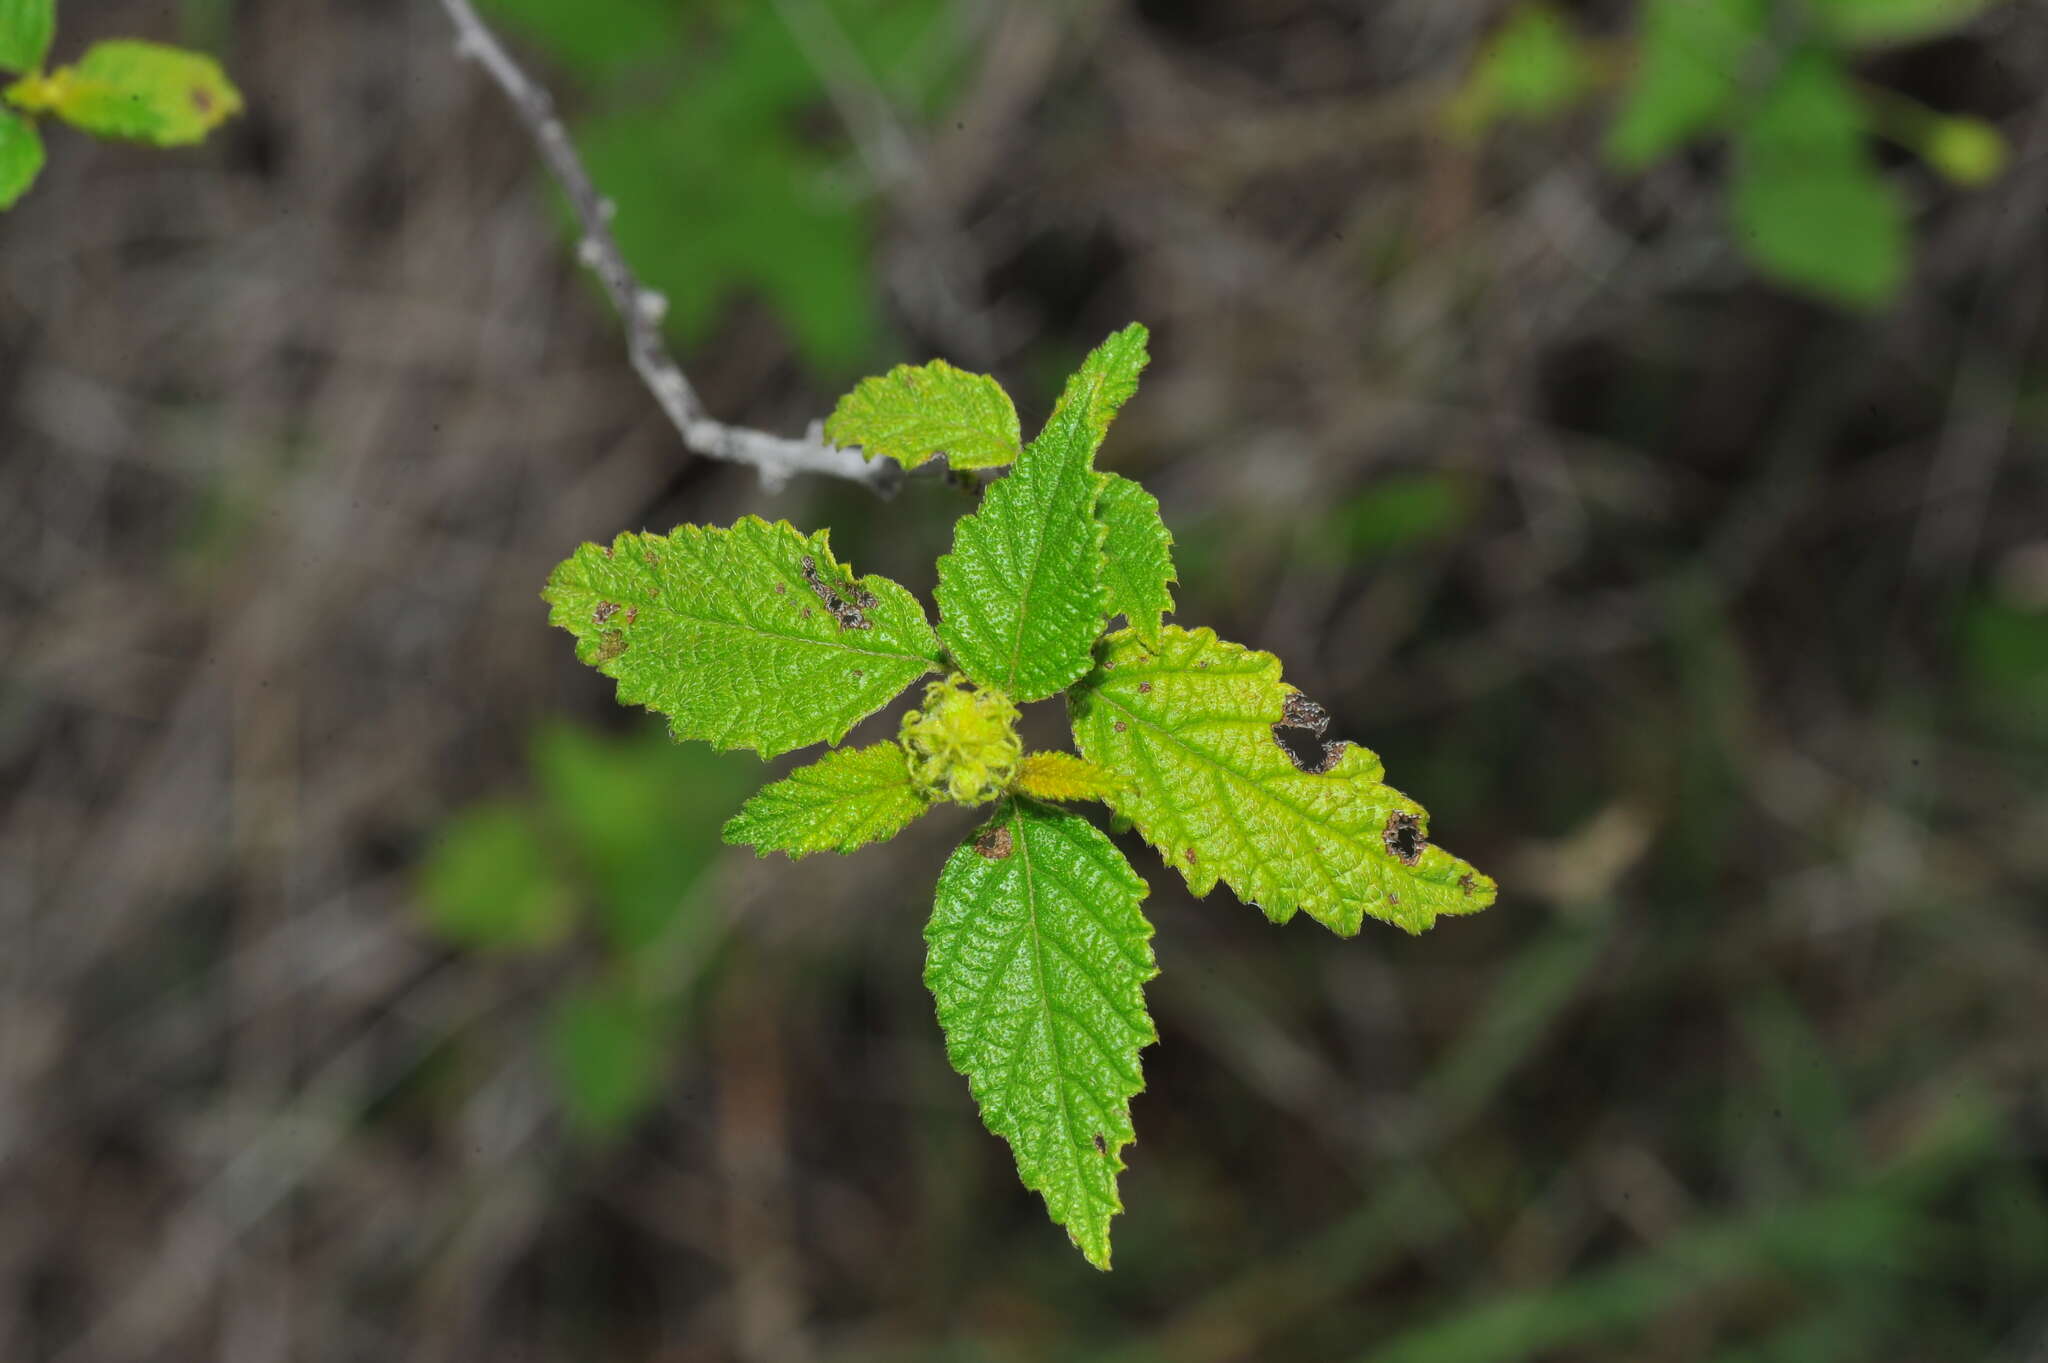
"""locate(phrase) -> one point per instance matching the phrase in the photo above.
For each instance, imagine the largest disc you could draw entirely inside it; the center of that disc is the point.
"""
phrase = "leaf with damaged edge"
(916, 411)
(1021, 599)
(1062, 776)
(752, 637)
(844, 800)
(1199, 730)
(1038, 959)
(1137, 555)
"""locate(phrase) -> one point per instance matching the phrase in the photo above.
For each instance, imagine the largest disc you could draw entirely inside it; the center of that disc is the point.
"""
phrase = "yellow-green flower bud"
(963, 744)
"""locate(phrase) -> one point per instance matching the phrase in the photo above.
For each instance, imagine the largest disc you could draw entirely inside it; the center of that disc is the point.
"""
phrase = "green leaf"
(1535, 65)
(1196, 730)
(490, 883)
(916, 411)
(143, 91)
(1038, 959)
(1967, 151)
(26, 28)
(594, 37)
(1137, 555)
(753, 637)
(1062, 776)
(21, 157)
(1688, 75)
(1810, 205)
(1894, 21)
(636, 816)
(1021, 598)
(845, 799)
(607, 1053)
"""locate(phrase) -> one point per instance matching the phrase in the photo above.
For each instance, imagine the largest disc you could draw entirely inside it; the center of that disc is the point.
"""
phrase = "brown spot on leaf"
(1143, 687)
(202, 99)
(1189, 855)
(782, 589)
(607, 551)
(652, 560)
(847, 609)
(632, 614)
(1393, 898)
(995, 843)
(1119, 726)
(1101, 1145)
(605, 611)
(610, 645)
(1403, 837)
(1465, 883)
(858, 674)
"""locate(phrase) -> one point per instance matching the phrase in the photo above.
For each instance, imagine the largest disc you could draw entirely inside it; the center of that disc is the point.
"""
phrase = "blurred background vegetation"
(1631, 419)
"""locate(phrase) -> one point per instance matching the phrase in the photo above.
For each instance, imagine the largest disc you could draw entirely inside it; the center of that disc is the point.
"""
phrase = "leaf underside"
(1038, 954)
(917, 411)
(1194, 729)
(1021, 598)
(1137, 555)
(752, 637)
(844, 800)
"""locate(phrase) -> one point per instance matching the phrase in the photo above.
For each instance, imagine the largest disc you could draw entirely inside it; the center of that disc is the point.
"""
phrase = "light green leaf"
(753, 637)
(1021, 598)
(1196, 730)
(845, 799)
(1137, 555)
(21, 157)
(1038, 959)
(1968, 151)
(1895, 21)
(143, 91)
(490, 883)
(1693, 54)
(607, 1053)
(26, 27)
(916, 411)
(1062, 776)
(1811, 207)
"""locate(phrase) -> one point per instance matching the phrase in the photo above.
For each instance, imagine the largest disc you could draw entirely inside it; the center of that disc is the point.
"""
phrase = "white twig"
(775, 457)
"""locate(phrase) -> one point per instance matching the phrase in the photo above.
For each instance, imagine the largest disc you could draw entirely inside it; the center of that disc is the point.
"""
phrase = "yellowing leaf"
(1228, 776)
(1062, 776)
(845, 799)
(1038, 960)
(916, 411)
(26, 27)
(753, 637)
(142, 91)
(21, 157)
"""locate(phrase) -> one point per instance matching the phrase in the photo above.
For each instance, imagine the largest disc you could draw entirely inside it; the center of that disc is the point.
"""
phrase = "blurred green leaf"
(21, 157)
(145, 92)
(640, 817)
(595, 37)
(1535, 65)
(1968, 151)
(724, 185)
(1687, 75)
(26, 28)
(2005, 649)
(1396, 513)
(607, 1051)
(489, 882)
(1894, 21)
(1810, 206)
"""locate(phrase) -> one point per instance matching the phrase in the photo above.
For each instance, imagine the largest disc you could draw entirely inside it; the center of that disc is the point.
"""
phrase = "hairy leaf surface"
(1062, 776)
(1211, 744)
(916, 411)
(1021, 598)
(753, 637)
(1137, 555)
(26, 27)
(21, 157)
(1038, 957)
(845, 799)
